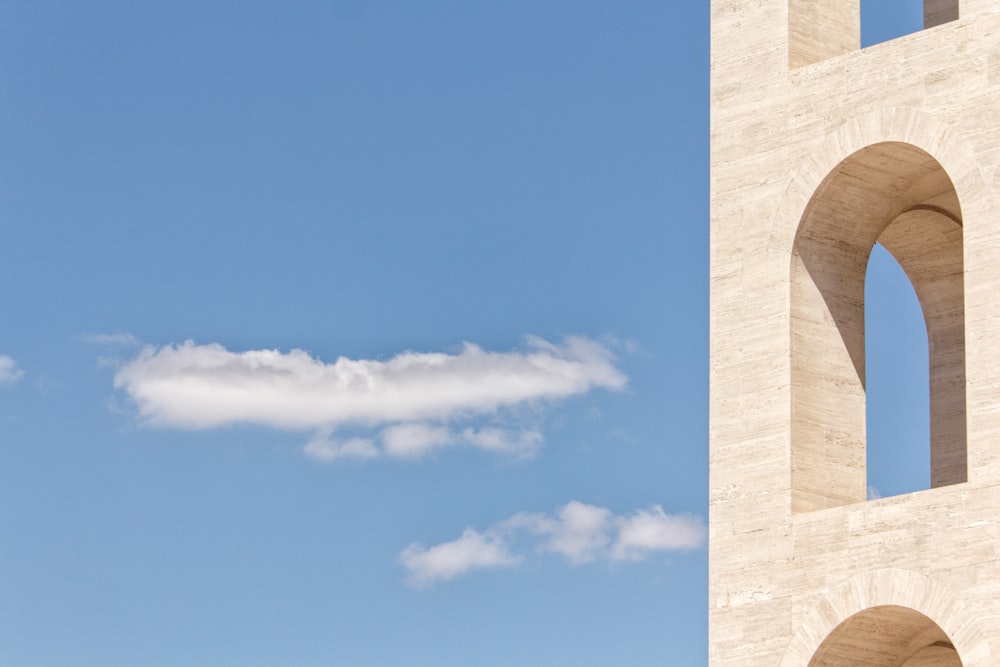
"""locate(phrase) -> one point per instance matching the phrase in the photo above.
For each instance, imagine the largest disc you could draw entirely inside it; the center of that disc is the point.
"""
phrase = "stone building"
(821, 149)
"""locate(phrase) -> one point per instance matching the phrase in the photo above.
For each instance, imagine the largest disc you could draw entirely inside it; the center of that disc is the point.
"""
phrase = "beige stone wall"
(786, 572)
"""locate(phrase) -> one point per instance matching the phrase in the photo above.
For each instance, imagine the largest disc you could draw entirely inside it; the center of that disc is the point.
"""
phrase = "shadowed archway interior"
(887, 636)
(899, 196)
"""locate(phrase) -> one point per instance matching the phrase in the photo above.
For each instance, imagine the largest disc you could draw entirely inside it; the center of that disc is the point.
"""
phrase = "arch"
(927, 243)
(918, 607)
(887, 636)
(892, 124)
(958, 158)
(898, 195)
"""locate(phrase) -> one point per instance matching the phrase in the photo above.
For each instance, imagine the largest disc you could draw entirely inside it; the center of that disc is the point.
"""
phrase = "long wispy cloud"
(9, 372)
(405, 407)
(122, 338)
(578, 532)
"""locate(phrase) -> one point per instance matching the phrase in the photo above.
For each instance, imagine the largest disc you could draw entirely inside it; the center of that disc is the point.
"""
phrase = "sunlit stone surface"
(820, 150)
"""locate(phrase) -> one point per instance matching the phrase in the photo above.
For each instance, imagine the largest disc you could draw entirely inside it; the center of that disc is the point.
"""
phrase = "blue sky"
(365, 333)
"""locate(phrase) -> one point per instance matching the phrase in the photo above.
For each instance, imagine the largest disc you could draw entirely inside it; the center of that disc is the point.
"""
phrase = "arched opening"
(897, 195)
(897, 401)
(887, 636)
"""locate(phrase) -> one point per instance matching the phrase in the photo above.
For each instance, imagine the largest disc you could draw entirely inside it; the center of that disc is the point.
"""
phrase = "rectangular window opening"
(821, 29)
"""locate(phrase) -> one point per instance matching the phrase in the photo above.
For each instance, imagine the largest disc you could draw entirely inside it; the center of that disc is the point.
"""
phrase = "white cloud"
(414, 440)
(523, 442)
(649, 530)
(420, 402)
(9, 372)
(578, 532)
(472, 551)
(323, 447)
(121, 338)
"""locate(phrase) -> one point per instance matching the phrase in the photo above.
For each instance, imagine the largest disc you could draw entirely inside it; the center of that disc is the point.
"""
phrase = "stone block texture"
(821, 149)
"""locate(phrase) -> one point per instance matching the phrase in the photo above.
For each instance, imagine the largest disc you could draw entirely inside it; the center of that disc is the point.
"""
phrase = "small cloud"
(410, 405)
(414, 440)
(324, 448)
(9, 372)
(628, 345)
(471, 551)
(579, 532)
(505, 441)
(646, 531)
(122, 339)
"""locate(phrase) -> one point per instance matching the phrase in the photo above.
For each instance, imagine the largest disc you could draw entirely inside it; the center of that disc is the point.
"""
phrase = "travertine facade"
(819, 150)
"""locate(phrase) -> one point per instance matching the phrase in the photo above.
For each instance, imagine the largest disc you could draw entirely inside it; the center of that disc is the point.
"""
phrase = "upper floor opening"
(885, 20)
(821, 29)
(899, 197)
